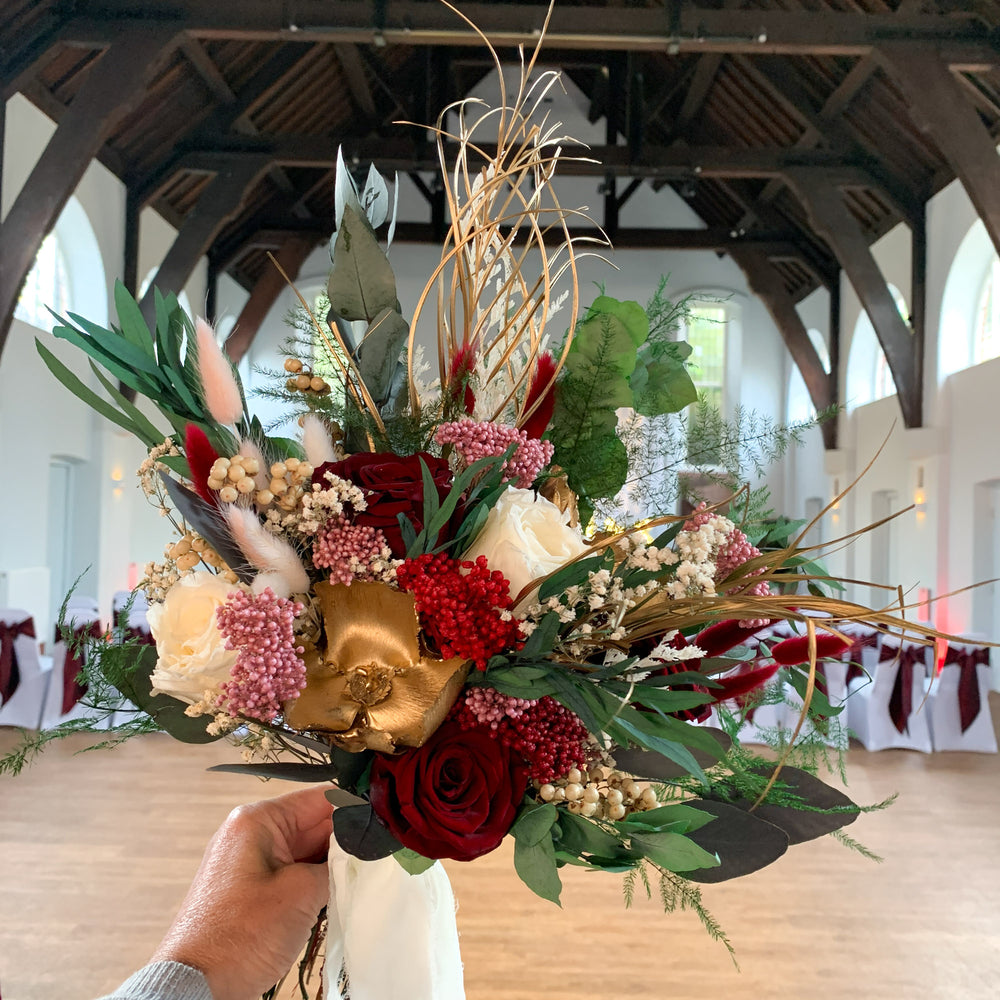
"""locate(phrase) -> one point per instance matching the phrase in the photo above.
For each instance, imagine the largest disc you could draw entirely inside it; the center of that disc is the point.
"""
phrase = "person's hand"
(256, 896)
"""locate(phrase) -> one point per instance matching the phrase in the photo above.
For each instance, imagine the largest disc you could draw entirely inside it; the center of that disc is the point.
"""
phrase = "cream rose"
(526, 537)
(192, 654)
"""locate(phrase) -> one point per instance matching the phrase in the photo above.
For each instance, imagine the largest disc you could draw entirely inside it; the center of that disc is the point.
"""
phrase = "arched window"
(986, 336)
(46, 287)
(970, 306)
(868, 374)
(68, 273)
(707, 329)
(800, 406)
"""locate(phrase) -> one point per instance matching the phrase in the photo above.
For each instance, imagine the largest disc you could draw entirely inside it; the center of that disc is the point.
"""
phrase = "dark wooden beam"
(831, 218)
(939, 107)
(112, 88)
(354, 72)
(219, 202)
(918, 293)
(766, 284)
(269, 286)
(680, 28)
(22, 56)
(834, 106)
(202, 62)
(225, 118)
(679, 162)
(697, 93)
(777, 77)
(130, 263)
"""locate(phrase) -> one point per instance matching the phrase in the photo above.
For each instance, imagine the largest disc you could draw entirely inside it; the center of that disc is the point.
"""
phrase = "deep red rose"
(454, 797)
(392, 486)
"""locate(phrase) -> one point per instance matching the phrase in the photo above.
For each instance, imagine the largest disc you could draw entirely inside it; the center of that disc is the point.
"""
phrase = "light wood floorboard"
(96, 851)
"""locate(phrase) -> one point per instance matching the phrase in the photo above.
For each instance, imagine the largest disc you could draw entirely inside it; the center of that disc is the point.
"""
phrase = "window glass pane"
(46, 287)
(986, 339)
(706, 333)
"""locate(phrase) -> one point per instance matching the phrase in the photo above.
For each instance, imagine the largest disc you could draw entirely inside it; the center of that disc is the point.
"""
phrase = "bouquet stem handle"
(393, 934)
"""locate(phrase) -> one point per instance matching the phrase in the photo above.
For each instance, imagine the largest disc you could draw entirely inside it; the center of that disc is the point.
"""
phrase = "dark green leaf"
(580, 835)
(410, 861)
(679, 815)
(534, 822)
(361, 283)
(285, 770)
(536, 866)
(638, 730)
(145, 430)
(340, 797)
(673, 851)
(379, 351)
(542, 640)
(744, 842)
(806, 824)
(572, 575)
(133, 325)
(361, 833)
(168, 713)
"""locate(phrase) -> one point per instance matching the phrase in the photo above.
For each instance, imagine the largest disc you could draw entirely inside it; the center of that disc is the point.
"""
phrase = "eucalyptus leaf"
(673, 851)
(534, 822)
(744, 842)
(378, 355)
(804, 824)
(341, 798)
(656, 767)
(412, 862)
(536, 867)
(361, 283)
(580, 835)
(285, 770)
(168, 713)
(361, 833)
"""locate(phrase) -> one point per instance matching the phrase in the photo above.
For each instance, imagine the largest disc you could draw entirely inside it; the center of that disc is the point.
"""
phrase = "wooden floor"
(97, 849)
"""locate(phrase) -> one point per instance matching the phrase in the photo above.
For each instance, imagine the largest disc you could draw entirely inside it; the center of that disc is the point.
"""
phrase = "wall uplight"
(920, 496)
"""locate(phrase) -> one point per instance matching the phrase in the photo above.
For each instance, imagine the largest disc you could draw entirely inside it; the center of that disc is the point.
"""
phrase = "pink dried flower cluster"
(549, 736)
(349, 551)
(736, 552)
(474, 440)
(268, 670)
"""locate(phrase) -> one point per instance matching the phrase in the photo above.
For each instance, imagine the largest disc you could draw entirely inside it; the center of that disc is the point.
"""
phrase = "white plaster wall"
(40, 420)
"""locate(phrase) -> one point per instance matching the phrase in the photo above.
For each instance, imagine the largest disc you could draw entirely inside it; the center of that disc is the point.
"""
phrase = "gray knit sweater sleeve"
(163, 981)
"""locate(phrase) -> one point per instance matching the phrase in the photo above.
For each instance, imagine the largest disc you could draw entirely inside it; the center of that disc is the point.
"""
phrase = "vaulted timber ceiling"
(799, 130)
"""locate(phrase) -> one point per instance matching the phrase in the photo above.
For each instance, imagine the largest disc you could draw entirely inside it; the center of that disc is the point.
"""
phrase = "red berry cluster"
(546, 734)
(463, 606)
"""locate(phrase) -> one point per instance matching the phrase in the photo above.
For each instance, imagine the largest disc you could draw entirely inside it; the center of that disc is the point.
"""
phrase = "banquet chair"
(958, 701)
(762, 722)
(63, 700)
(81, 602)
(832, 681)
(24, 674)
(895, 688)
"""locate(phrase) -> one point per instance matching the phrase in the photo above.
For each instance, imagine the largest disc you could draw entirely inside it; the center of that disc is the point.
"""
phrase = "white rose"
(526, 537)
(192, 655)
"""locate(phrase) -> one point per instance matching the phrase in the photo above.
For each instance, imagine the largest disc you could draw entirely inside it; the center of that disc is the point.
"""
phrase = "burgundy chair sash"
(901, 699)
(967, 661)
(854, 668)
(10, 672)
(144, 636)
(73, 690)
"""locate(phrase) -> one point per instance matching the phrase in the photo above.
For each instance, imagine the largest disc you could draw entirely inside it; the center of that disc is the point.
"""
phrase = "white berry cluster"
(600, 793)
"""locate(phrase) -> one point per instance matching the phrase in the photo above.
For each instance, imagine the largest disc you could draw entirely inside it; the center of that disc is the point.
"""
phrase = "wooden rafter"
(834, 106)
(831, 218)
(112, 88)
(766, 284)
(354, 72)
(226, 117)
(268, 287)
(219, 202)
(697, 93)
(940, 108)
(687, 29)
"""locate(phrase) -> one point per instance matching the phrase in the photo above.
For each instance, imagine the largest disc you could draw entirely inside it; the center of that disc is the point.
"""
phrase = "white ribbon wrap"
(394, 933)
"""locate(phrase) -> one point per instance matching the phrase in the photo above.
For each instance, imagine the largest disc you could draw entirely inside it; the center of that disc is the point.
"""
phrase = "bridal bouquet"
(425, 598)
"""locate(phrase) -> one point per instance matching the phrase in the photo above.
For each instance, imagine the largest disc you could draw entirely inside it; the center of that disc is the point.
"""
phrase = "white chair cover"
(944, 710)
(24, 707)
(868, 706)
(52, 714)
